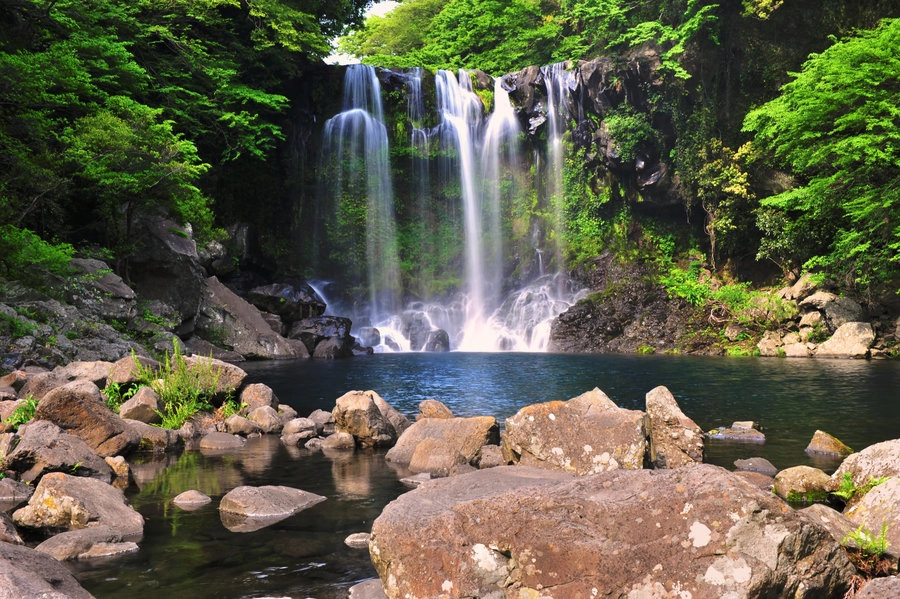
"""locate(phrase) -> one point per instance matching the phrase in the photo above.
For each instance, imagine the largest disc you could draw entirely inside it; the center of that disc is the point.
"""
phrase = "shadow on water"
(192, 554)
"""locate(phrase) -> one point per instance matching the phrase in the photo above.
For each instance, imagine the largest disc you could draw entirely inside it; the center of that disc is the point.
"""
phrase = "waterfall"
(356, 144)
(466, 178)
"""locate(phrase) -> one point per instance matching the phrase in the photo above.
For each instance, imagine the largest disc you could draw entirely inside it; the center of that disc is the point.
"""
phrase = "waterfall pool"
(191, 553)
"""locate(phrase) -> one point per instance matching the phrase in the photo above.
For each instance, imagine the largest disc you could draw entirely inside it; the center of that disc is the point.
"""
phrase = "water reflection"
(192, 554)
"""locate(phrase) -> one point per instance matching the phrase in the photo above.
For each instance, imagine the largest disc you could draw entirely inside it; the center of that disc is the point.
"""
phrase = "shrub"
(23, 414)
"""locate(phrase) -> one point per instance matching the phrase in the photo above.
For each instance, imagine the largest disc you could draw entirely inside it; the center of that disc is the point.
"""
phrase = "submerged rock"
(246, 508)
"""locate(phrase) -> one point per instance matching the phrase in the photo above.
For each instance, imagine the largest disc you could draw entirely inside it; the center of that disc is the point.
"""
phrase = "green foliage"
(835, 126)
(867, 542)
(849, 491)
(230, 407)
(23, 414)
(116, 394)
(183, 389)
(685, 283)
(631, 131)
(25, 256)
(15, 327)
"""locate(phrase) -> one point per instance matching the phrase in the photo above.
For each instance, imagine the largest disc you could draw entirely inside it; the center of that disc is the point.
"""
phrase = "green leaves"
(837, 126)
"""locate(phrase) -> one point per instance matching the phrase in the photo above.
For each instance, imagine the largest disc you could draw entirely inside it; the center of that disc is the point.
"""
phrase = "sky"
(378, 9)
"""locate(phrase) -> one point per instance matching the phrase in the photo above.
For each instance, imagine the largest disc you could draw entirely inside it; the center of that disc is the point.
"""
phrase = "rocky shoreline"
(574, 498)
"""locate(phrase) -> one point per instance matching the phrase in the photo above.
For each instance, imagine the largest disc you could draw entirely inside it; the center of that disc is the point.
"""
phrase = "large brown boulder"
(25, 572)
(41, 447)
(364, 415)
(584, 435)
(64, 502)
(78, 408)
(875, 461)
(436, 445)
(675, 439)
(697, 531)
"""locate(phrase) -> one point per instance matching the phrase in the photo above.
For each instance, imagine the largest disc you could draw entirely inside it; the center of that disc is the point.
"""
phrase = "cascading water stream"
(555, 80)
(356, 142)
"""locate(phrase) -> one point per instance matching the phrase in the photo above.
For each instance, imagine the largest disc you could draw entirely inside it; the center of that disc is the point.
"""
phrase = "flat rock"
(246, 508)
(88, 543)
(25, 572)
(584, 435)
(696, 531)
(761, 465)
(745, 435)
(216, 440)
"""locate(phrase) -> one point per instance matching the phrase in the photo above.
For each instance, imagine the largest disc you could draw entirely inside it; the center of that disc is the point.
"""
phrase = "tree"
(836, 126)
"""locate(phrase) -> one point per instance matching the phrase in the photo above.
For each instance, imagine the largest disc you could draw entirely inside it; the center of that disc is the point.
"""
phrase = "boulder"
(436, 445)
(125, 371)
(877, 588)
(230, 320)
(367, 589)
(289, 302)
(286, 413)
(143, 406)
(155, 439)
(8, 532)
(65, 502)
(368, 337)
(770, 343)
(96, 371)
(803, 484)
(166, 266)
(239, 425)
(228, 378)
(257, 395)
(491, 457)
(312, 331)
(25, 572)
(13, 494)
(266, 418)
(432, 408)
(87, 543)
(878, 508)
(850, 340)
(324, 422)
(584, 435)
(838, 310)
(744, 431)
(357, 413)
(697, 531)
(836, 523)
(44, 447)
(78, 409)
(339, 440)
(398, 420)
(358, 540)
(675, 439)
(102, 293)
(875, 461)
(245, 508)
(333, 348)
(824, 444)
(298, 431)
(437, 341)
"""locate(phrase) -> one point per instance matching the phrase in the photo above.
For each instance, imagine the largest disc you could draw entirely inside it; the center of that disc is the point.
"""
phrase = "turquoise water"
(191, 554)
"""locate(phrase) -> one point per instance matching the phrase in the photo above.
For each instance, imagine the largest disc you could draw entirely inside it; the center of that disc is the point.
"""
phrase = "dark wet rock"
(13, 493)
(78, 408)
(43, 447)
(333, 348)
(102, 293)
(516, 530)
(675, 439)
(8, 532)
(761, 465)
(230, 320)
(64, 502)
(369, 336)
(313, 331)
(290, 302)
(25, 572)
(437, 341)
(437, 445)
(583, 435)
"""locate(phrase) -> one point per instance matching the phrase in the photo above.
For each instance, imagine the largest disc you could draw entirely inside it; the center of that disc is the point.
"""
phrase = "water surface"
(191, 554)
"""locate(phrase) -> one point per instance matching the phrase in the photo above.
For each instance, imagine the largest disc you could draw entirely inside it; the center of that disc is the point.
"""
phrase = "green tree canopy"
(836, 126)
